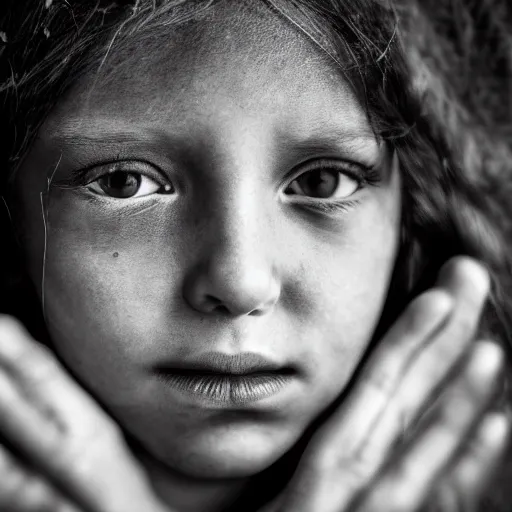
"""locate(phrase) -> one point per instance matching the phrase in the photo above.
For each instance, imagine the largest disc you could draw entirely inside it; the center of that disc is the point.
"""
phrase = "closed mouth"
(228, 379)
(225, 387)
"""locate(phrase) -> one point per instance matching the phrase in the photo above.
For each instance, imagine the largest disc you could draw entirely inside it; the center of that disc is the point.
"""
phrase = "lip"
(227, 379)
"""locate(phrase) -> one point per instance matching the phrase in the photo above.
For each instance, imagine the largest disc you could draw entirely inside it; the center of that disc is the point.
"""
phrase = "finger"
(447, 315)
(433, 366)
(463, 487)
(415, 348)
(460, 293)
(28, 431)
(406, 483)
(22, 490)
(468, 282)
(44, 382)
(412, 349)
(55, 425)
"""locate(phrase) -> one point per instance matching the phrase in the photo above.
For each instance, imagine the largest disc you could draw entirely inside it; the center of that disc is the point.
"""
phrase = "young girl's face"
(219, 236)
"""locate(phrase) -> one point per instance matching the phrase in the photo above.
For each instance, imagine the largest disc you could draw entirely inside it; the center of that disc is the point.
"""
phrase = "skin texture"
(229, 113)
(350, 463)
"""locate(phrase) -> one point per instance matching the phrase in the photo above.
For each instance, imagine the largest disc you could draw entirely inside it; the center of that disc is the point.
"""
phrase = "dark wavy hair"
(433, 75)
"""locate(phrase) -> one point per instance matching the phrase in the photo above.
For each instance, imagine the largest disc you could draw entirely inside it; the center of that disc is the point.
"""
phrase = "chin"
(232, 455)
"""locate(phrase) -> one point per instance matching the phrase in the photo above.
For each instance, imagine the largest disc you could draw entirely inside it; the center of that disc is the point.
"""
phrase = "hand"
(355, 461)
(65, 453)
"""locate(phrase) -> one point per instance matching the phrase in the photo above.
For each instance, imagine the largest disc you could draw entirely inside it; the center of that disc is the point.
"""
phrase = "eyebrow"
(320, 144)
(315, 143)
(336, 142)
(71, 138)
(328, 141)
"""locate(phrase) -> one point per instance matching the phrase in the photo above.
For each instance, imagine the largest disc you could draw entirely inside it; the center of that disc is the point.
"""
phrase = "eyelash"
(363, 175)
(84, 177)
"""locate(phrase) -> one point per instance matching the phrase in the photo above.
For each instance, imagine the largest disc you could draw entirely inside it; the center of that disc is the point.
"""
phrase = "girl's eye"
(323, 184)
(123, 185)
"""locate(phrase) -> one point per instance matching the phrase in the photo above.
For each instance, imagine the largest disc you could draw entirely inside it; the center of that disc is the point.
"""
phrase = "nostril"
(217, 304)
(223, 310)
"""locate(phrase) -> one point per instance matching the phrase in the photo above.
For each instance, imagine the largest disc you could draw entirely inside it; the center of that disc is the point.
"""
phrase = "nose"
(235, 275)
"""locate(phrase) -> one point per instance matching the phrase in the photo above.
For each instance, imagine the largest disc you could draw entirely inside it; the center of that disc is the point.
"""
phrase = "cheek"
(347, 280)
(110, 286)
(347, 309)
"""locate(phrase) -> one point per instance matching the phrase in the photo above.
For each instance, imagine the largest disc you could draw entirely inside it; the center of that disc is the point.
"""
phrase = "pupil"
(120, 184)
(320, 184)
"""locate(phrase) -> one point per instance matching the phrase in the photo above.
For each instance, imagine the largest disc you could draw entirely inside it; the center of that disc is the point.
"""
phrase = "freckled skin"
(219, 109)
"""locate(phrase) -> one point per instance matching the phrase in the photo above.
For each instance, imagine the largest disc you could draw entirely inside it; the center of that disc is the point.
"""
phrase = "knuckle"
(381, 381)
(357, 473)
(382, 375)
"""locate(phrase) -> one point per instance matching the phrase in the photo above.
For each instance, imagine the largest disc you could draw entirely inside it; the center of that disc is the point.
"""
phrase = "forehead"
(236, 59)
